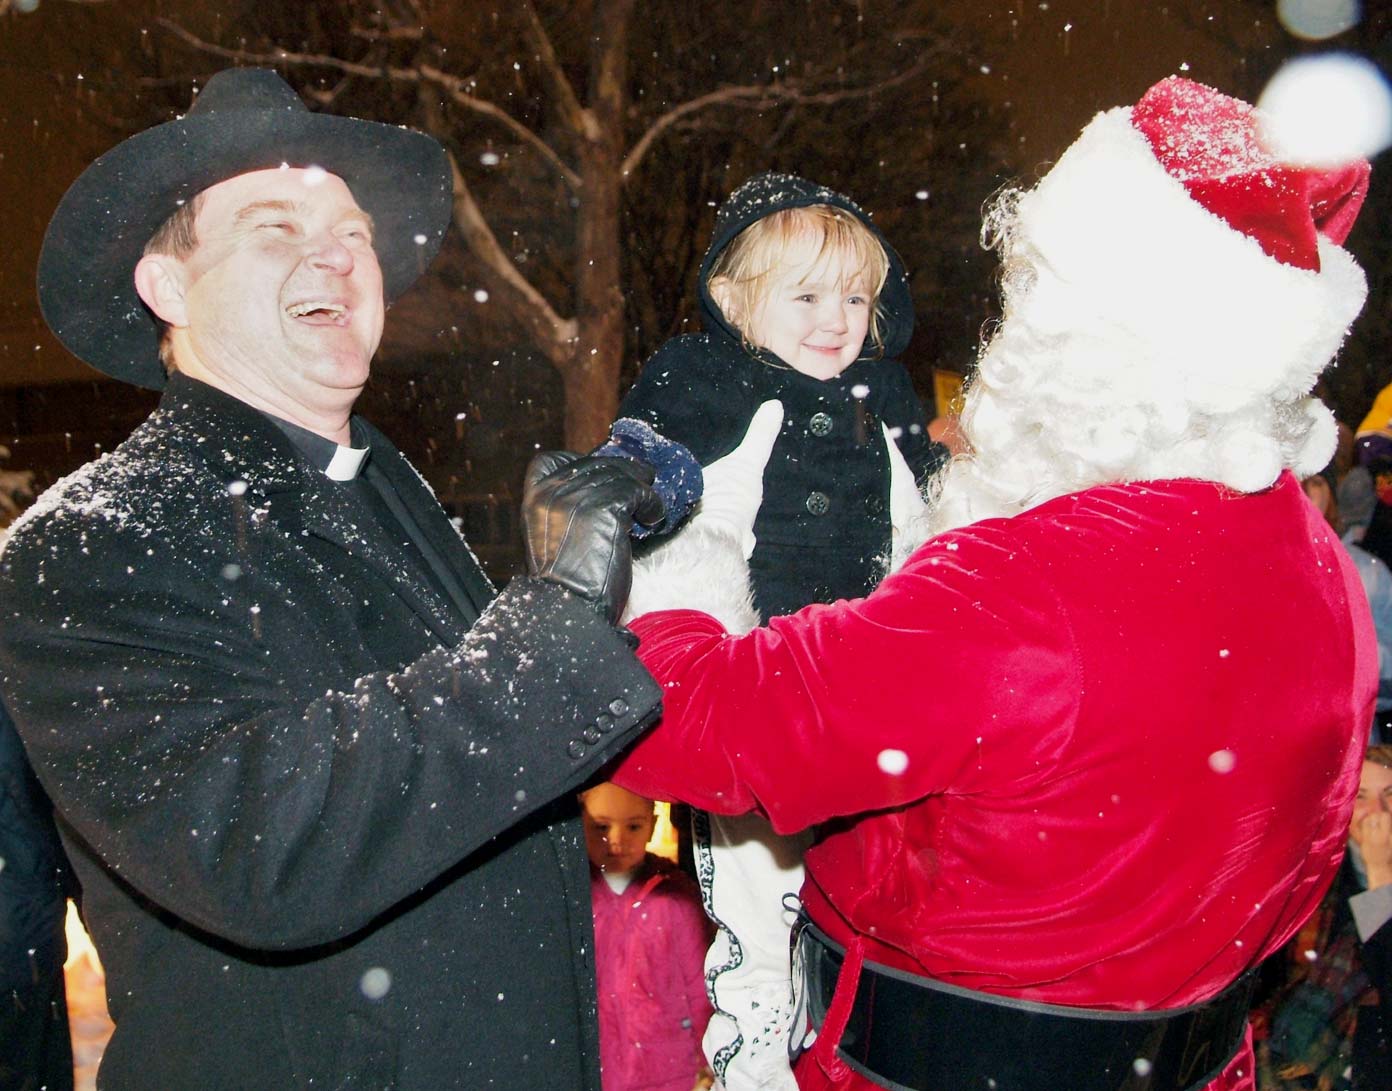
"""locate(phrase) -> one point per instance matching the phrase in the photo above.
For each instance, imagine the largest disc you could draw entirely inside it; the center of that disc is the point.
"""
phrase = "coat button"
(820, 424)
(874, 505)
(817, 502)
(576, 749)
(590, 735)
(604, 722)
(618, 706)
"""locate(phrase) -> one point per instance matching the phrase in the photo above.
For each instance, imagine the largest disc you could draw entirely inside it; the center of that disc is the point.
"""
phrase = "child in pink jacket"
(650, 943)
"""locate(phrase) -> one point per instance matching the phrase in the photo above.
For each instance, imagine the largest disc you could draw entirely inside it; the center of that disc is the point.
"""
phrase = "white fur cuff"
(701, 567)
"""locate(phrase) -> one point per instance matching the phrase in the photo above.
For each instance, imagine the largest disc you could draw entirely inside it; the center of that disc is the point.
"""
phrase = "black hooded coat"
(823, 530)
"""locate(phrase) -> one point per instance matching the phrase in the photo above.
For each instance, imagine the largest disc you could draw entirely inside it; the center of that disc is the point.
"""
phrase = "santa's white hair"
(1143, 338)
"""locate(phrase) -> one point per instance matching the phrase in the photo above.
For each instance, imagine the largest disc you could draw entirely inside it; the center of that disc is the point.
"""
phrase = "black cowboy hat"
(245, 119)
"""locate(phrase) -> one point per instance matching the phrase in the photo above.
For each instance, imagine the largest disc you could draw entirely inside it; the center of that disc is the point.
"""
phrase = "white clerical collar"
(338, 463)
(346, 462)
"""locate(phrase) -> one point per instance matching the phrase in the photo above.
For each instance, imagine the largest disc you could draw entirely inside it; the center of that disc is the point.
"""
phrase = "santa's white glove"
(734, 483)
(905, 501)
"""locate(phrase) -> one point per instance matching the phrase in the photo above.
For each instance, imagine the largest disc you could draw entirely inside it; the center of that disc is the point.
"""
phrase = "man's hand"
(577, 513)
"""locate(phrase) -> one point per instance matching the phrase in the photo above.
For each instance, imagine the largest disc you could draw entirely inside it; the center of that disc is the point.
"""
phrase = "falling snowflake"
(375, 983)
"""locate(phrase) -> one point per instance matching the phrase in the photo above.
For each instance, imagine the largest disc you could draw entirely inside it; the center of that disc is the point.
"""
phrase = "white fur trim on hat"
(1116, 241)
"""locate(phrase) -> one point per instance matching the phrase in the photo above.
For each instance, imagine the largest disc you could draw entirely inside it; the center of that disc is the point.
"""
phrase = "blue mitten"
(677, 474)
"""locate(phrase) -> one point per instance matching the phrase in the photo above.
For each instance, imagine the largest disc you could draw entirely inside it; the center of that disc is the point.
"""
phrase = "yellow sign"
(947, 392)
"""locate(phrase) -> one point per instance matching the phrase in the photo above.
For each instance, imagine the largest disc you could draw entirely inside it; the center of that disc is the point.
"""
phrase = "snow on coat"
(322, 815)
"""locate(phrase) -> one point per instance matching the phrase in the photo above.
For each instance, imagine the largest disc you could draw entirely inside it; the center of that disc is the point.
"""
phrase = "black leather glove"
(577, 513)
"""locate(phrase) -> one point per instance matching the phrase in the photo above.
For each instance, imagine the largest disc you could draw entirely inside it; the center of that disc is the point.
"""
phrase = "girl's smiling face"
(814, 315)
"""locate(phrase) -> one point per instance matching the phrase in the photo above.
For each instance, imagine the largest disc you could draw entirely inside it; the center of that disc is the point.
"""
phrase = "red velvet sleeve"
(864, 704)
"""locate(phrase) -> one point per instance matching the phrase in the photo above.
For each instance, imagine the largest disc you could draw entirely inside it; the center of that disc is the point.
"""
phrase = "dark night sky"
(1056, 63)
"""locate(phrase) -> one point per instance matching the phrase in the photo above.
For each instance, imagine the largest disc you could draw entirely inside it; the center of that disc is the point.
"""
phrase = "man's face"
(1374, 797)
(618, 827)
(814, 315)
(283, 293)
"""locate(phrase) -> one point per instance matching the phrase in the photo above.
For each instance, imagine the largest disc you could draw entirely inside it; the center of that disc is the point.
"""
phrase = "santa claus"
(1088, 756)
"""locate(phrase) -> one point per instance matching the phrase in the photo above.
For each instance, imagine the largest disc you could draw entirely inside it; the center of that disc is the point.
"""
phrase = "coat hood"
(772, 192)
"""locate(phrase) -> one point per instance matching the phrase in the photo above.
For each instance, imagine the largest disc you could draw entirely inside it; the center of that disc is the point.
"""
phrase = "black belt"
(911, 1033)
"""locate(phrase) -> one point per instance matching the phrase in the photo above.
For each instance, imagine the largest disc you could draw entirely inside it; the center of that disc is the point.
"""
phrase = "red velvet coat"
(1100, 754)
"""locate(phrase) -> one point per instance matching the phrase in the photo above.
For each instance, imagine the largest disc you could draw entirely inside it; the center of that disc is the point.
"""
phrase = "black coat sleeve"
(697, 392)
(186, 740)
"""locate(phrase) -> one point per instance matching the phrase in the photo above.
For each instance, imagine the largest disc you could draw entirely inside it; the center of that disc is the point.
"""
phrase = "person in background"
(1378, 419)
(651, 936)
(317, 778)
(1372, 449)
(1324, 1026)
(35, 883)
(1356, 496)
(1375, 576)
(1088, 756)
(805, 308)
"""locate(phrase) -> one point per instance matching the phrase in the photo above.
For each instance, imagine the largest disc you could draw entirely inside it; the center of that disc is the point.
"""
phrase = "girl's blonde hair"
(763, 248)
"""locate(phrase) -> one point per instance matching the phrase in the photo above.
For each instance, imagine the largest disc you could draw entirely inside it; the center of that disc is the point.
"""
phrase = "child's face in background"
(618, 826)
(814, 315)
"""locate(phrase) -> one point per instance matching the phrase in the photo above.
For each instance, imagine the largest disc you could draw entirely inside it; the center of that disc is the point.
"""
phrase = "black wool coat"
(823, 528)
(323, 817)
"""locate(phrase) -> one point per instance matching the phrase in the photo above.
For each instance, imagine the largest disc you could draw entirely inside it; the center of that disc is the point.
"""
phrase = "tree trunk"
(591, 378)
(592, 375)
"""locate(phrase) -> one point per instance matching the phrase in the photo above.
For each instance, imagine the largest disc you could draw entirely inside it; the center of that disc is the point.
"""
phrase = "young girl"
(650, 938)
(803, 302)
(804, 305)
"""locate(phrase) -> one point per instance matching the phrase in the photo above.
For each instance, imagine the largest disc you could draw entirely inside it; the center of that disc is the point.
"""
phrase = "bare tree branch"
(327, 98)
(572, 113)
(766, 96)
(747, 97)
(389, 34)
(555, 334)
(457, 90)
(451, 85)
(26, 9)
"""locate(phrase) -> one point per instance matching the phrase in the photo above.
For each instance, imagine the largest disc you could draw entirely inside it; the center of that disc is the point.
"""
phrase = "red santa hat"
(1175, 223)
